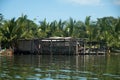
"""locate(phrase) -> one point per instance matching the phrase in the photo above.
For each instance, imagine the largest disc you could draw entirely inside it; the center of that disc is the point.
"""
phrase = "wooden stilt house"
(60, 46)
(52, 45)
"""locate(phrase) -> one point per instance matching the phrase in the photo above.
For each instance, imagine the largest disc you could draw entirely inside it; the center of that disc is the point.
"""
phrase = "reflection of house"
(53, 45)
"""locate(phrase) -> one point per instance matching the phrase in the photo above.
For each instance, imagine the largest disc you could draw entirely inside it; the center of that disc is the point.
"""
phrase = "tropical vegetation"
(103, 29)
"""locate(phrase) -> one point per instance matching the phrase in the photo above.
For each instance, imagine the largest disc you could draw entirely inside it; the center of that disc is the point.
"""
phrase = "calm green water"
(39, 67)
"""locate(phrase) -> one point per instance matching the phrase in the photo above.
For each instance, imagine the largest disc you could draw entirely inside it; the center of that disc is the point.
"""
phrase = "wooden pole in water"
(84, 47)
(69, 47)
(51, 46)
(76, 48)
(40, 42)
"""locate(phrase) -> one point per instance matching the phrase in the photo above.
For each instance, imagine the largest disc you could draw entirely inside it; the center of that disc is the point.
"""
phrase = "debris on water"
(93, 79)
(47, 79)
(65, 71)
(37, 69)
(32, 78)
(112, 75)
(63, 76)
(18, 77)
(3, 75)
(38, 75)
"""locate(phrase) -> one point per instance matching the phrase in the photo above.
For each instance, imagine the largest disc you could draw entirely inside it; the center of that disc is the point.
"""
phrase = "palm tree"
(42, 29)
(8, 31)
(12, 30)
(115, 31)
(27, 28)
(109, 31)
(79, 30)
(57, 28)
(105, 29)
(69, 27)
(88, 27)
(1, 21)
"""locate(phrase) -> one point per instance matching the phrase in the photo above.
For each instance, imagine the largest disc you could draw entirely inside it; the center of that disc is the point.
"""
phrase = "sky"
(60, 9)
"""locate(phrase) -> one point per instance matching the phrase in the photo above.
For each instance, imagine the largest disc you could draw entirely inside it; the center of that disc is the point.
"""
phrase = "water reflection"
(58, 67)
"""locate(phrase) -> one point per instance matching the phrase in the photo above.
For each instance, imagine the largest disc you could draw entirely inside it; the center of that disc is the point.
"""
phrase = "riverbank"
(6, 52)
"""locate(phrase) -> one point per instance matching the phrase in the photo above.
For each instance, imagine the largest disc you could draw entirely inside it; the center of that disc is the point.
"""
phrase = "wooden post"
(77, 48)
(39, 46)
(51, 47)
(84, 48)
(64, 47)
(77, 62)
(69, 46)
(32, 46)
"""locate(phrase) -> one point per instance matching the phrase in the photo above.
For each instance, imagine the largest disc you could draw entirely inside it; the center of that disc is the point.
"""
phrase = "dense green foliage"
(105, 29)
